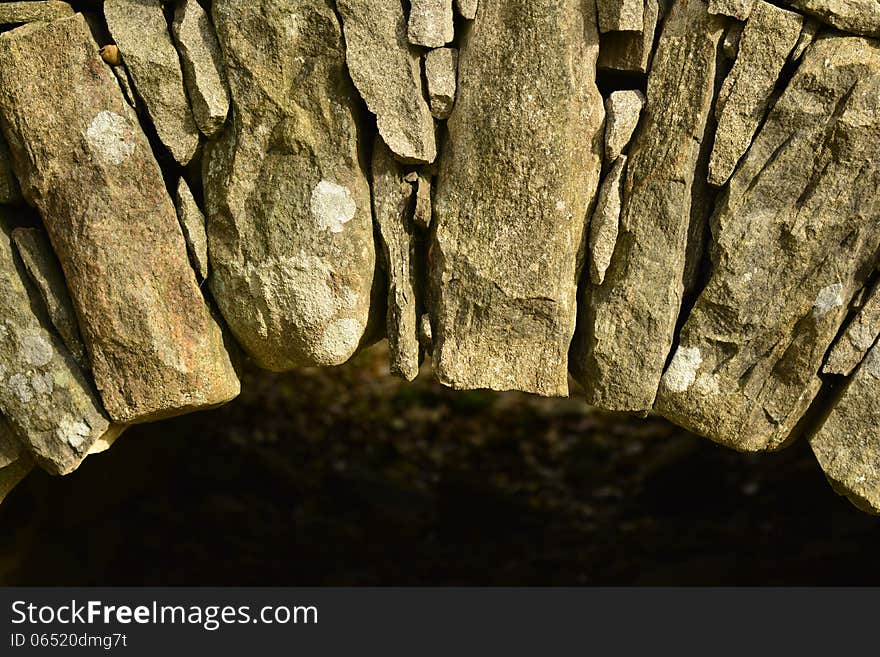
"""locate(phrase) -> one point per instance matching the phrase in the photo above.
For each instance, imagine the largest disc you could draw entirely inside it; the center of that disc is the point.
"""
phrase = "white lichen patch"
(828, 298)
(111, 136)
(37, 350)
(332, 206)
(340, 340)
(73, 432)
(19, 385)
(42, 384)
(682, 371)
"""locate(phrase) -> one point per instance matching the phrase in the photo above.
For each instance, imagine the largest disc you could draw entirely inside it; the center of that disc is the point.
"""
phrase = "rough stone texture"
(45, 273)
(856, 16)
(290, 229)
(10, 446)
(13, 474)
(769, 36)
(44, 395)
(141, 32)
(202, 64)
(467, 8)
(604, 226)
(424, 205)
(857, 338)
(809, 31)
(192, 222)
(732, 38)
(621, 15)
(431, 23)
(793, 239)
(847, 443)
(631, 51)
(623, 109)
(387, 72)
(393, 205)
(83, 161)
(9, 189)
(441, 66)
(520, 171)
(626, 324)
(30, 11)
(738, 9)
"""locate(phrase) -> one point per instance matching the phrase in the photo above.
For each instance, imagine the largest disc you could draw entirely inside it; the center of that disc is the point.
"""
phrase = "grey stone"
(621, 15)
(393, 205)
(141, 32)
(519, 174)
(431, 23)
(808, 34)
(9, 189)
(794, 238)
(202, 64)
(45, 273)
(290, 230)
(192, 222)
(862, 332)
(626, 325)
(738, 9)
(623, 109)
(847, 442)
(441, 69)
(856, 16)
(768, 38)
(467, 8)
(631, 51)
(604, 226)
(44, 395)
(386, 69)
(32, 10)
(85, 164)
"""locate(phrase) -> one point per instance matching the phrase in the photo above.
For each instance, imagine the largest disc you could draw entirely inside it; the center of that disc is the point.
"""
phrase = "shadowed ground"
(348, 476)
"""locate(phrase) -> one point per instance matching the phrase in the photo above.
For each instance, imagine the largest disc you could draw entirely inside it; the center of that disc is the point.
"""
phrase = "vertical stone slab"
(84, 163)
(290, 230)
(519, 173)
(855, 341)
(847, 442)
(44, 395)
(627, 323)
(794, 238)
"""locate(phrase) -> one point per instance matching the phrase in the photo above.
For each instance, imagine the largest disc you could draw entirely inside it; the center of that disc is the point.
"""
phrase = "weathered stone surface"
(290, 229)
(604, 226)
(424, 205)
(9, 189)
(518, 176)
(626, 325)
(45, 273)
(202, 66)
(10, 446)
(793, 239)
(623, 109)
(30, 11)
(83, 161)
(847, 443)
(431, 23)
(467, 8)
(44, 395)
(141, 32)
(857, 338)
(738, 9)
(809, 31)
(13, 474)
(192, 221)
(769, 36)
(386, 69)
(621, 15)
(631, 51)
(856, 16)
(441, 69)
(393, 205)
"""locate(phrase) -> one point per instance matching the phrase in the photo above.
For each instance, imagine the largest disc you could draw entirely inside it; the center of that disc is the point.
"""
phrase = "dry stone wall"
(677, 202)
